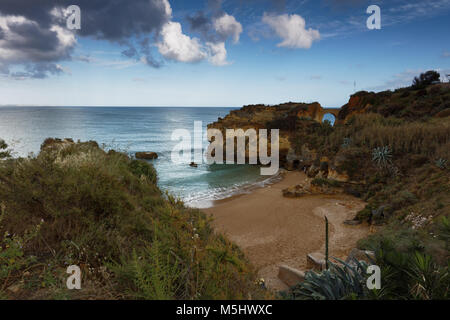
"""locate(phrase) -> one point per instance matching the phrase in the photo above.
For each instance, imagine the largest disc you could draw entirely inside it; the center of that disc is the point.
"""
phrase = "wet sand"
(273, 230)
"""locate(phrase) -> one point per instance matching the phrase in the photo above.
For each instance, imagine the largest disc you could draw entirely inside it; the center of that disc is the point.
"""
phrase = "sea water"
(133, 129)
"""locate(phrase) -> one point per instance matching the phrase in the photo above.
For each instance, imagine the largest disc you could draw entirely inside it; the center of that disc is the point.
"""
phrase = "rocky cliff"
(302, 130)
(284, 117)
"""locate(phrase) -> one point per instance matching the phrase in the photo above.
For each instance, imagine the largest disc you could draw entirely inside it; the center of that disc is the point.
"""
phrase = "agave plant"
(382, 156)
(441, 163)
(341, 281)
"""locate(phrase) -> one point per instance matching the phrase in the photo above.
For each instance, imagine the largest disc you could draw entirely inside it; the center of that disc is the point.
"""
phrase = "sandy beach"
(273, 230)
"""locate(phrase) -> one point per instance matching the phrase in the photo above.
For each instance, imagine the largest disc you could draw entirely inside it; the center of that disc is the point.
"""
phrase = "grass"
(74, 203)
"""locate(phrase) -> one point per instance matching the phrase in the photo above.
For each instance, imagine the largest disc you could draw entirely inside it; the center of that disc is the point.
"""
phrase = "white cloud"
(291, 29)
(177, 46)
(217, 54)
(227, 26)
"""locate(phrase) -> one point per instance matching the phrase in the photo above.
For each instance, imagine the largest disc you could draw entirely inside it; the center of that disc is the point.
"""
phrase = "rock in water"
(146, 155)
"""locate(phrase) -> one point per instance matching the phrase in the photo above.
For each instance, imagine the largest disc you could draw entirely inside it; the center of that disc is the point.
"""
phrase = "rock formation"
(283, 117)
(146, 155)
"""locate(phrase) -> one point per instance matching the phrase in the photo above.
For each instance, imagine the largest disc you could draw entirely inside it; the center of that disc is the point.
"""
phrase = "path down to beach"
(273, 230)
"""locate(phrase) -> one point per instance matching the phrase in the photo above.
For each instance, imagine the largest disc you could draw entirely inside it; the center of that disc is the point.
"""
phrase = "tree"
(426, 79)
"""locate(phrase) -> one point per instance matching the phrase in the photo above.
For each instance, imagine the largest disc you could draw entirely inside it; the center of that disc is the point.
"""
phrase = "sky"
(225, 53)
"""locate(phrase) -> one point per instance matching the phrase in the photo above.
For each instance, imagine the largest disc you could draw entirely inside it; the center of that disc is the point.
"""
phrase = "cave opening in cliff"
(331, 118)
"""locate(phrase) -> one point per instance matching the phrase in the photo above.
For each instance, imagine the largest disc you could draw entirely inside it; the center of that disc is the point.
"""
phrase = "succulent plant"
(342, 280)
(441, 163)
(382, 156)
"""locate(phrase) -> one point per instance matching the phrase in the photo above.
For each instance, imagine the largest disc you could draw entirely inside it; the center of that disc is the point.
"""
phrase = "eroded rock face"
(146, 155)
(309, 188)
(296, 191)
(340, 177)
(283, 117)
(293, 154)
(357, 105)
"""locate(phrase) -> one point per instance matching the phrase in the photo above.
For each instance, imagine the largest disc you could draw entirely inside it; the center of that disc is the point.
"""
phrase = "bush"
(425, 79)
(341, 281)
(103, 212)
(325, 183)
(4, 152)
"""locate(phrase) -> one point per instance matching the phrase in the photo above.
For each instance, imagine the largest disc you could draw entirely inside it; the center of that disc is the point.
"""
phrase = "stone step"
(290, 276)
(316, 261)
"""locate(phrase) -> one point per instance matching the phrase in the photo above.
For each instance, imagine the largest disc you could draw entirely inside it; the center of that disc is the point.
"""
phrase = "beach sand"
(273, 230)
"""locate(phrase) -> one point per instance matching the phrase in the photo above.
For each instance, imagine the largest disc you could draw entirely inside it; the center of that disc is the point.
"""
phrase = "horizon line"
(105, 106)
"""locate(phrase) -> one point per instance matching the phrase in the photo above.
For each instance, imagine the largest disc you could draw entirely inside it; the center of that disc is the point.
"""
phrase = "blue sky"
(239, 52)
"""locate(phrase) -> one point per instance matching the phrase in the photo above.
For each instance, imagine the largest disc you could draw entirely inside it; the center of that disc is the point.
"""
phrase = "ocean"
(133, 129)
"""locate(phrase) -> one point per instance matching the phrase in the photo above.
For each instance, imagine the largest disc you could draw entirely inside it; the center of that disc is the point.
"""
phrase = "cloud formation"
(216, 27)
(217, 54)
(227, 27)
(34, 37)
(291, 29)
(177, 46)
(24, 41)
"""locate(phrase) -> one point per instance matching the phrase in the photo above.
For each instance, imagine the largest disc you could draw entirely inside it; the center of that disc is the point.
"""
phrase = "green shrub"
(4, 152)
(340, 281)
(103, 212)
(426, 79)
(326, 183)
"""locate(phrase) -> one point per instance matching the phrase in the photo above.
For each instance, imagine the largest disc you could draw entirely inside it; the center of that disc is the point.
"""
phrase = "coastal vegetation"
(75, 204)
(394, 148)
(391, 149)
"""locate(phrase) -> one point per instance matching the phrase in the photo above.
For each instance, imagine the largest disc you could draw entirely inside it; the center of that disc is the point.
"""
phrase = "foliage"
(445, 231)
(341, 281)
(4, 152)
(404, 257)
(104, 212)
(426, 78)
(441, 163)
(382, 156)
(321, 182)
(429, 281)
